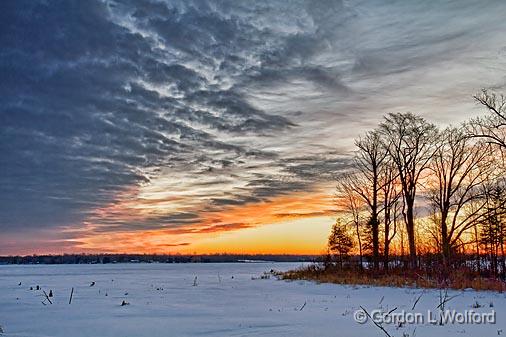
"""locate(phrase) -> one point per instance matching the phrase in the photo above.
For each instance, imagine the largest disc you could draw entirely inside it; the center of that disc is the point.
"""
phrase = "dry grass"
(459, 279)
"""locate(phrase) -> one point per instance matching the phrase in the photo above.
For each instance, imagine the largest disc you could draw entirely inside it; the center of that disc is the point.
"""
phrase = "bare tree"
(353, 204)
(409, 141)
(369, 161)
(491, 127)
(458, 168)
(391, 193)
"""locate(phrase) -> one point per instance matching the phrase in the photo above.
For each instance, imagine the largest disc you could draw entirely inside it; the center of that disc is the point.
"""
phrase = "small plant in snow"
(476, 305)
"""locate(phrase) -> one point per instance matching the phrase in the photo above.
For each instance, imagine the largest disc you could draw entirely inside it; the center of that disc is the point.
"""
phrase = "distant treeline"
(150, 258)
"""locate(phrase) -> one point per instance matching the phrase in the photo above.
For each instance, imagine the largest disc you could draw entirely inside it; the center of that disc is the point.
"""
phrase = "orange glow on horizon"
(290, 224)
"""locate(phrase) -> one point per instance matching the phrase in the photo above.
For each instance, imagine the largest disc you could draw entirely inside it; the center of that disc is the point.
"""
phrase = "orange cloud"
(210, 226)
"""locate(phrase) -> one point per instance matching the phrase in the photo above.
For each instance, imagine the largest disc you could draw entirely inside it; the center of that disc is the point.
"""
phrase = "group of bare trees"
(431, 190)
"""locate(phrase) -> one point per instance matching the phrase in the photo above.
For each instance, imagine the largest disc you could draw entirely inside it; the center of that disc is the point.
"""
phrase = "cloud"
(223, 228)
(131, 116)
(170, 245)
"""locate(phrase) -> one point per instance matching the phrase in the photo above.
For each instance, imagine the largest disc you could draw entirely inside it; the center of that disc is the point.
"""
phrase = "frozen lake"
(228, 300)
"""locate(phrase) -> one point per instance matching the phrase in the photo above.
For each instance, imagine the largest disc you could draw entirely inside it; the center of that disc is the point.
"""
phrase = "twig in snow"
(305, 302)
(391, 311)
(442, 302)
(71, 294)
(47, 297)
(377, 325)
(416, 302)
(445, 299)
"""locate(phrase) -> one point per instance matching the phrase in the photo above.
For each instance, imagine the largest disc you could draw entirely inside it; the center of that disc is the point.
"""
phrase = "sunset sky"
(206, 127)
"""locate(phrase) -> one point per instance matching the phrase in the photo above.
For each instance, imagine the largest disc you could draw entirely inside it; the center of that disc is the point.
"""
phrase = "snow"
(228, 300)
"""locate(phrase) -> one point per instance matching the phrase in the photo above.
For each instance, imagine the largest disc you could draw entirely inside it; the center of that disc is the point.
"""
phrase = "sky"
(214, 126)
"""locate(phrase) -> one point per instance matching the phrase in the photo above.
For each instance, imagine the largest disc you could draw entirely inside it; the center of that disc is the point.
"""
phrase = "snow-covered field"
(226, 301)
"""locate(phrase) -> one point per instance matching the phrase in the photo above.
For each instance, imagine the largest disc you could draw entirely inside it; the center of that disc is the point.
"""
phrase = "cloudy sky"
(164, 126)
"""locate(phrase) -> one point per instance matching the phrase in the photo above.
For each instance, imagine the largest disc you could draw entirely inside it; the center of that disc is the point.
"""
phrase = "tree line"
(417, 190)
(152, 258)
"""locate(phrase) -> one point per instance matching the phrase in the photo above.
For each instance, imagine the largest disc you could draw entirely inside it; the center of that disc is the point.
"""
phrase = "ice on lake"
(213, 300)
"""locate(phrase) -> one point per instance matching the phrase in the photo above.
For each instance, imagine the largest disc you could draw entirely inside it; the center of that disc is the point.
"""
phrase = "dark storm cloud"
(224, 102)
(77, 127)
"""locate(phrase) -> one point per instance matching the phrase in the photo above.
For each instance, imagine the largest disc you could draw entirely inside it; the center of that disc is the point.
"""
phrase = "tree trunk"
(375, 241)
(478, 267)
(374, 220)
(503, 262)
(410, 229)
(359, 246)
(385, 256)
(386, 246)
(445, 242)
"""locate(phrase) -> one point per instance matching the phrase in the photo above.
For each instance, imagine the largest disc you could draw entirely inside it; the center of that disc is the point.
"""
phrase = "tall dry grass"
(455, 279)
